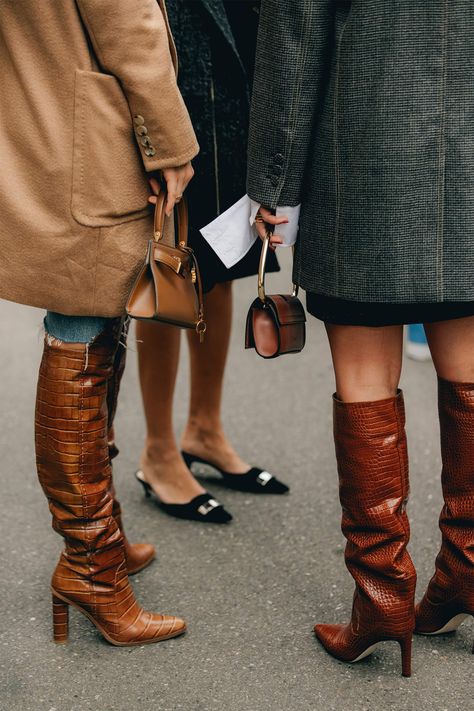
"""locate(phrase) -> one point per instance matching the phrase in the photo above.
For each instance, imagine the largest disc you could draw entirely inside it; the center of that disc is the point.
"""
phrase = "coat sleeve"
(131, 41)
(294, 51)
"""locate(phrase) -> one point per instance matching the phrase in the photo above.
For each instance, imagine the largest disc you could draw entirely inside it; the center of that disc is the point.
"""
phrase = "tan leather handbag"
(276, 324)
(169, 287)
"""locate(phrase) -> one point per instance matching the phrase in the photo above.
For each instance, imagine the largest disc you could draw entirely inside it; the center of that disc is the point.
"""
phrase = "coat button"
(279, 159)
(142, 130)
(138, 120)
(277, 170)
(150, 151)
(274, 180)
(145, 141)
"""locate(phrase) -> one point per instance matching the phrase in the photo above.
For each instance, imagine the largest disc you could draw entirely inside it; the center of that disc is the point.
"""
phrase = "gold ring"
(259, 217)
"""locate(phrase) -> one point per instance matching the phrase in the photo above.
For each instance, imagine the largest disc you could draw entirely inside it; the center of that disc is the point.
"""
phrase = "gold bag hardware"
(168, 287)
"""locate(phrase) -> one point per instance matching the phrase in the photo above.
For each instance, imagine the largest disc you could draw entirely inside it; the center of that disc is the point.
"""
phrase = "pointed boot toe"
(329, 635)
(161, 627)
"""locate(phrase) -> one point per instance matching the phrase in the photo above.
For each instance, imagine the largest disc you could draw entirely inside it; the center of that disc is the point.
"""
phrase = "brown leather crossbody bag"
(275, 324)
(169, 287)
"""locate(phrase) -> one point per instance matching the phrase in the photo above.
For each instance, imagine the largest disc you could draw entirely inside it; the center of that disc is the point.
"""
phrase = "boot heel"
(406, 646)
(60, 620)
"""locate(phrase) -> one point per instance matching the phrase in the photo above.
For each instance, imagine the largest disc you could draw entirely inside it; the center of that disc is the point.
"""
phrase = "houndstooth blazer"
(364, 112)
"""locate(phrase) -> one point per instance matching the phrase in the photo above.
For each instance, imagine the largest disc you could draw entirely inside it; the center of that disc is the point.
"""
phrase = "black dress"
(353, 313)
(216, 43)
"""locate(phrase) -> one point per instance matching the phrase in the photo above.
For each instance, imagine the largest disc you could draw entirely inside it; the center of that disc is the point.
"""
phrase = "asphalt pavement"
(251, 591)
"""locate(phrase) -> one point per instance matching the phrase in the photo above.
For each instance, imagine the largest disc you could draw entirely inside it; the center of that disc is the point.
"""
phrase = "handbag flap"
(174, 257)
(287, 309)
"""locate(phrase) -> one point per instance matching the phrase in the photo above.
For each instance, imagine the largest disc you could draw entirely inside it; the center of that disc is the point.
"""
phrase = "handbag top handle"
(160, 217)
(262, 267)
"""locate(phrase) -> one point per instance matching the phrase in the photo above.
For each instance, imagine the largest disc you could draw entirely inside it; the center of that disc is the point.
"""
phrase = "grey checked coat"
(364, 112)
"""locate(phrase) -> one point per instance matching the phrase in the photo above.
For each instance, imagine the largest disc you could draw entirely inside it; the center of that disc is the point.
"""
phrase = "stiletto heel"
(60, 620)
(406, 646)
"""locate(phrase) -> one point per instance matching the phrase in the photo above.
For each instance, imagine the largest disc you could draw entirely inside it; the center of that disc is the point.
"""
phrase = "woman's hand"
(177, 180)
(268, 221)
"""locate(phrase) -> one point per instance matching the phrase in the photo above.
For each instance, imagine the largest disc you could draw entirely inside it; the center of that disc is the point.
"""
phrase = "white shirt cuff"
(233, 233)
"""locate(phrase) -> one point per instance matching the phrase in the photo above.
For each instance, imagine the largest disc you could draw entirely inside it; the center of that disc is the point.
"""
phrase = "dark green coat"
(364, 112)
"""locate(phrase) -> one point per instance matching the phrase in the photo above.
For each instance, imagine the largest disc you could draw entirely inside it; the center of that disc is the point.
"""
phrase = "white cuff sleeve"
(232, 234)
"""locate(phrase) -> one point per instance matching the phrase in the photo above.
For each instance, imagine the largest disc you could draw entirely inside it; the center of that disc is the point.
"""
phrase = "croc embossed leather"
(75, 473)
(373, 476)
(138, 555)
(449, 598)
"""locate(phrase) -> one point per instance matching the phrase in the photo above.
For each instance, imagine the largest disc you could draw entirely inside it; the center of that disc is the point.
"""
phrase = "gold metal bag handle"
(261, 269)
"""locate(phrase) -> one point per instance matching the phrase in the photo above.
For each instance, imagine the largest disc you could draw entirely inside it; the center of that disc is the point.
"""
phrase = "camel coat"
(90, 105)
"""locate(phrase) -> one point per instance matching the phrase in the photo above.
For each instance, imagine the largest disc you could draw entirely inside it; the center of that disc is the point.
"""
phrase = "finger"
(171, 185)
(276, 240)
(261, 229)
(274, 220)
(189, 174)
(155, 186)
(153, 199)
(181, 184)
(170, 203)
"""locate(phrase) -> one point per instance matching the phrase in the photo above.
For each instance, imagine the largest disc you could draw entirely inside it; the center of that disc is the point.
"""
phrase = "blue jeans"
(74, 329)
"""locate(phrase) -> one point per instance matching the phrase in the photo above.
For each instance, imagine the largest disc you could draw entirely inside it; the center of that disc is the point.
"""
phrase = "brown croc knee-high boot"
(372, 462)
(75, 473)
(137, 555)
(449, 598)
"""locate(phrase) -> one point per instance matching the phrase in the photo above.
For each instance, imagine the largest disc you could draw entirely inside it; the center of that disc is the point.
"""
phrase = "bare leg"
(452, 348)
(367, 361)
(161, 462)
(204, 434)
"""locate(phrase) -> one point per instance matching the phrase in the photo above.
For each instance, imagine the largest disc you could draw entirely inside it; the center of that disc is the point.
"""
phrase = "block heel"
(60, 620)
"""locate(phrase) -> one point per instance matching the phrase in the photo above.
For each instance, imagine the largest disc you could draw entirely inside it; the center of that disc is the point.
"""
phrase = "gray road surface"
(251, 591)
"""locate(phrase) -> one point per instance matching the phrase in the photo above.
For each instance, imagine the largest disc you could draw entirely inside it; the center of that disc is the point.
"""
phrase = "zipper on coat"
(216, 153)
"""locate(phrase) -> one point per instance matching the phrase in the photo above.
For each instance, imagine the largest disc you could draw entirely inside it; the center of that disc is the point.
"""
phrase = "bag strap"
(160, 218)
(181, 208)
(262, 267)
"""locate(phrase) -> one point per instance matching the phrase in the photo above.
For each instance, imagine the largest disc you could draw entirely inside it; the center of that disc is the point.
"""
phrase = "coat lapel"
(217, 12)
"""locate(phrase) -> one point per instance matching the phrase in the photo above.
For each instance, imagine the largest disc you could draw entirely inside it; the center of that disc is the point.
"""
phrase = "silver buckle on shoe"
(263, 478)
(209, 506)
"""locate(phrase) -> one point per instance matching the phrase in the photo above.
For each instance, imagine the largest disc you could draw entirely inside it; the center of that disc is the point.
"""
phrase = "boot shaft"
(71, 439)
(454, 577)
(372, 458)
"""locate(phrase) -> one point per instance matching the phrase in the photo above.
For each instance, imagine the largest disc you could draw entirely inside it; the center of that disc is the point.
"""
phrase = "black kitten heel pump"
(255, 481)
(203, 507)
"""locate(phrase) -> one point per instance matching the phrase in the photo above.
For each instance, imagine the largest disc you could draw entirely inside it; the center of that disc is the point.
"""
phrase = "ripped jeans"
(74, 329)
